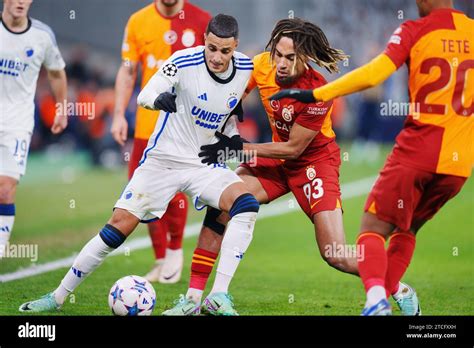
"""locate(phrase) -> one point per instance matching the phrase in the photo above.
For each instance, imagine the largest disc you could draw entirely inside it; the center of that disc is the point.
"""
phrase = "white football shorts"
(153, 185)
(14, 146)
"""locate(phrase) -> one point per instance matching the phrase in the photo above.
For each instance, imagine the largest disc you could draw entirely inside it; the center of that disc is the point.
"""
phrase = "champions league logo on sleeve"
(170, 69)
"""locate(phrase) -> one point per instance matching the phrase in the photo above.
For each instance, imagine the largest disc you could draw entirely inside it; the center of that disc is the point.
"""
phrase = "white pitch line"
(350, 190)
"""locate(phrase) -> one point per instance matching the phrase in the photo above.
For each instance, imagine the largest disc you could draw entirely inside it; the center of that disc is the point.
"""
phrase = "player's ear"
(236, 43)
(205, 38)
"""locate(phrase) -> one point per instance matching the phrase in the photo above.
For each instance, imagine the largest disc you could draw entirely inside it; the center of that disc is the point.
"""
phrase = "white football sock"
(236, 240)
(6, 226)
(375, 294)
(90, 257)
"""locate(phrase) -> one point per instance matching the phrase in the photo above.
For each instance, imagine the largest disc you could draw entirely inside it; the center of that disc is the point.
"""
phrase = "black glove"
(166, 101)
(239, 111)
(302, 95)
(223, 150)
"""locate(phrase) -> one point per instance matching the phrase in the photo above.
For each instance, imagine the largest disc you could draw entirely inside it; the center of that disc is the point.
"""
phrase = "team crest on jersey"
(127, 195)
(170, 37)
(189, 38)
(275, 105)
(287, 113)
(232, 101)
(310, 172)
(29, 52)
(170, 69)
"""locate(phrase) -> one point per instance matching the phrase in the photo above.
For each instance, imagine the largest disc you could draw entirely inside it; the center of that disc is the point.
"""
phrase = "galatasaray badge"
(310, 172)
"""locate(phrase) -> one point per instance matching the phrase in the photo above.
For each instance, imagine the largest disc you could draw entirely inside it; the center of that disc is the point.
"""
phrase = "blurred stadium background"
(73, 180)
(89, 33)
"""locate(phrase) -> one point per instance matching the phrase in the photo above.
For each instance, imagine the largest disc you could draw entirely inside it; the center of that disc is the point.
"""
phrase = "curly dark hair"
(310, 43)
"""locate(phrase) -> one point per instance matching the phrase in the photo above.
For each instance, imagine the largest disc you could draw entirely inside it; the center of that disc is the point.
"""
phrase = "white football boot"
(407, 300)
(172, 267)
(154, 274)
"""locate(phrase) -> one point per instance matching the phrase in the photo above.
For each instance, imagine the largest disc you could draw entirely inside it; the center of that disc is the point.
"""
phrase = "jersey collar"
(14, 32)
(218, 79)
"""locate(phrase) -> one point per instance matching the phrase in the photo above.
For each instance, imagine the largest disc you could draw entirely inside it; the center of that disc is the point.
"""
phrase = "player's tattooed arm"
(58, 81)
(300, 138)
(124, 83)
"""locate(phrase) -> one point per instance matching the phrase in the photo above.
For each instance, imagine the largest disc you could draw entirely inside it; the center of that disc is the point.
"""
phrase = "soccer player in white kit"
(25, 45)
(197, 91)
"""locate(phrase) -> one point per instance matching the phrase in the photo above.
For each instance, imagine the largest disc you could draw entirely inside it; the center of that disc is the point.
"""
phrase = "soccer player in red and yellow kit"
(151, 36)
(434, 153)
(303, 158)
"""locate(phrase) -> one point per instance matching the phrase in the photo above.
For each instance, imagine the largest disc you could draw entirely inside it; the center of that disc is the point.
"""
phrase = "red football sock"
(399, 254)
(373, 266)
(175, 218)
(157, 230)
(201, 268)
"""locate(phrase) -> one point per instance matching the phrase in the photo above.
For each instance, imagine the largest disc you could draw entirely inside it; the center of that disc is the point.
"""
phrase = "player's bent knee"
(211, 221)
(370, 222)
(245, 203)
(123, 220)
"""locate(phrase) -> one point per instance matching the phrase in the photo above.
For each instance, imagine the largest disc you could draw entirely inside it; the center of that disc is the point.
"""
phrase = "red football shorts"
(405, 196)
(316, 186)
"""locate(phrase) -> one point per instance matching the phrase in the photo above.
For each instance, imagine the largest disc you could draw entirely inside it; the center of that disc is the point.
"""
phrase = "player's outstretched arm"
(58, 82)
(369, 75)
(300, 138)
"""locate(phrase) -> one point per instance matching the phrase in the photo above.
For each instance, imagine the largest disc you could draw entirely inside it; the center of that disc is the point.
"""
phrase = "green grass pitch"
(281, 274)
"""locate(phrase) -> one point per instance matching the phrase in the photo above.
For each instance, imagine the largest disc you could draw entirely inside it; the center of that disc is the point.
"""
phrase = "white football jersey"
(21, 57)
(204, 104)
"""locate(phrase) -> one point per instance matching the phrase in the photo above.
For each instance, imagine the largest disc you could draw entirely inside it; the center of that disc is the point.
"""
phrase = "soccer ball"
(132, 295)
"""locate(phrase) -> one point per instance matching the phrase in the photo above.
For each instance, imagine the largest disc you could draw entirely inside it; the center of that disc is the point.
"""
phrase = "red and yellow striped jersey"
(150, 38)
(438, 49)
(283, 113)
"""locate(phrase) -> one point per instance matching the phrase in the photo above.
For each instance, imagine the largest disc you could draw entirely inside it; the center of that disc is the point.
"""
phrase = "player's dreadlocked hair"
(310, 43)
